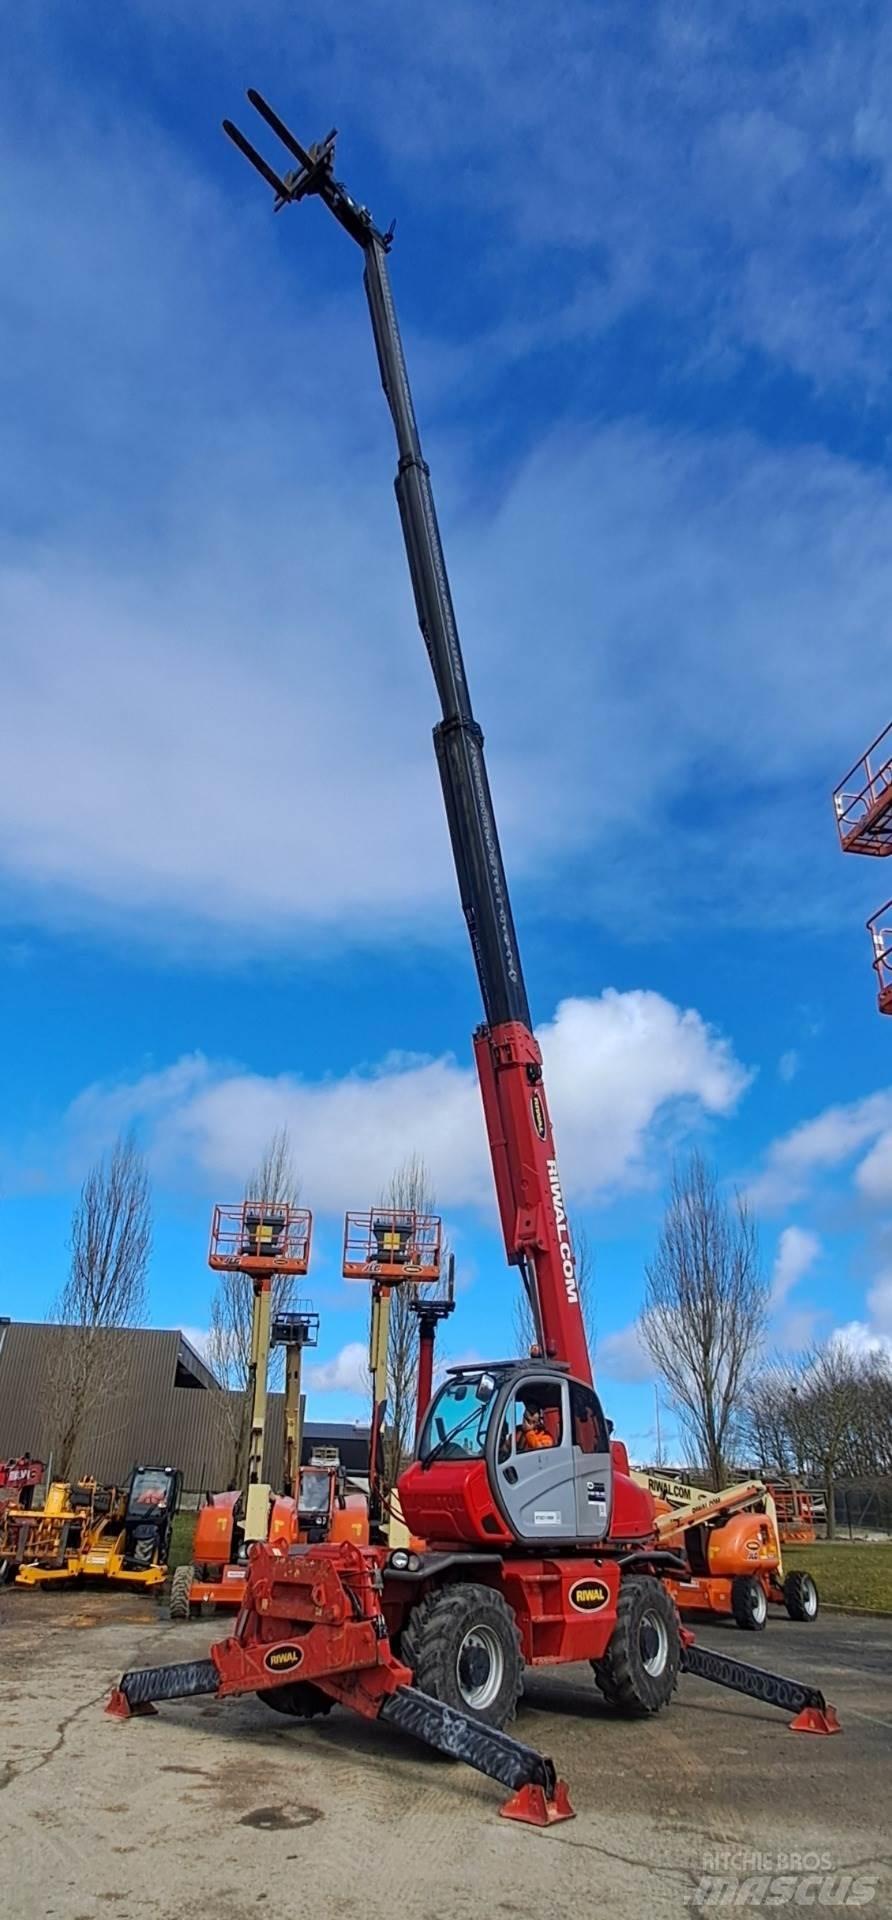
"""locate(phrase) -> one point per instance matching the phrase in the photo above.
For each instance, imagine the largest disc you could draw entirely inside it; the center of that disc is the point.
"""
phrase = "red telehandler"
(535, 1553)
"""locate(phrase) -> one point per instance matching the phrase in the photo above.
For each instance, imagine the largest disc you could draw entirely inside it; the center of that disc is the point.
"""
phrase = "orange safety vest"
(530, 1442)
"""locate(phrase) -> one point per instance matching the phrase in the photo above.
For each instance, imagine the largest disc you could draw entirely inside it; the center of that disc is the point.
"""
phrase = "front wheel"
(749, 1603)
(180, 1589)
(639, 1672)
(463, 1647)
(801, 1597)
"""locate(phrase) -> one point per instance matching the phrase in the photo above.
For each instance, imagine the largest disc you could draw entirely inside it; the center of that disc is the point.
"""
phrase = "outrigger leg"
(812, 1713)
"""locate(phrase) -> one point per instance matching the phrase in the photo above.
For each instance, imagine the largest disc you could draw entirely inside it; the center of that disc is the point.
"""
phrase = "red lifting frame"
(392, 1243)
(863, 800)
(261, 1237)
(882, 954)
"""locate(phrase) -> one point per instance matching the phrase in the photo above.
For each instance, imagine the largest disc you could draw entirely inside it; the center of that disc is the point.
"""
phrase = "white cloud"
(788, 1065)
(859, 1338)
(874, 1175)
(347, 1372)
(618, 1067)
(828, 1141)
(797, 1252)
(622, 1356)
(879, 1302)
(215, 707)
(198, 1337)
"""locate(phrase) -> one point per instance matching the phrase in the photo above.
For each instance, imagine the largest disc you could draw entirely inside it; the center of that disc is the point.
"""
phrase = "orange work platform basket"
(261, 1237)
(392, 1243)
(863, 800)
(880, 929)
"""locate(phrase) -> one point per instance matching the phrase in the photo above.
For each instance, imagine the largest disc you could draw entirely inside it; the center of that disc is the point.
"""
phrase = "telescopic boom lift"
(534, 1554)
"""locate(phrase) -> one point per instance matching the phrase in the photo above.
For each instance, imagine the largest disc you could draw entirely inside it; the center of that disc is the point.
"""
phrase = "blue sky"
(642, 269)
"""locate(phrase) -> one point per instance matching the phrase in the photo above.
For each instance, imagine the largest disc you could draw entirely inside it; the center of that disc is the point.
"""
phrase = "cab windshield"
(455, 1428)
(314, 1490)
(149, 1490)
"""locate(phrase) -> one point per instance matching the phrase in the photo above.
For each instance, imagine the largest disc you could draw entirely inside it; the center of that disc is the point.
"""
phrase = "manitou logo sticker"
(560, 1220)
(589, 1596)
(283, 1659)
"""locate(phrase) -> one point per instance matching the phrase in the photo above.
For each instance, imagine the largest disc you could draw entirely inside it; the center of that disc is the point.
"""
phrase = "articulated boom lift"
(539, 1547)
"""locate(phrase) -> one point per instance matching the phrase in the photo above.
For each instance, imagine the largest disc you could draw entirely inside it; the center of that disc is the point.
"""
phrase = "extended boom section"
(531, 1207)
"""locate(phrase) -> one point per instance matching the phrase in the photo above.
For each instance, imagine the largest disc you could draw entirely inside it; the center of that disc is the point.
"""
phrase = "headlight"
(401, 1561)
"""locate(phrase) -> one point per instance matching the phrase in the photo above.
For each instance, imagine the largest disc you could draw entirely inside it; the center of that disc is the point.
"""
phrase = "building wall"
(140, 1415)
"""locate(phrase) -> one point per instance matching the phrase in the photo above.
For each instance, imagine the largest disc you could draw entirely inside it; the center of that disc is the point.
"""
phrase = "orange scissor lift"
(863, 806)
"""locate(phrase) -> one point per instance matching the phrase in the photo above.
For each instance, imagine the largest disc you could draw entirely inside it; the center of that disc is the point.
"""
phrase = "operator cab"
(511, 1451)
(152, 1500)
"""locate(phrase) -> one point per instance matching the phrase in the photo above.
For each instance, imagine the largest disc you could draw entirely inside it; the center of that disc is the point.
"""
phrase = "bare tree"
(704, 1312)
(826, 1406)
(274, 1181)
(409, 1189)
(111, 1238)
(524, 1330)
(769, 1429)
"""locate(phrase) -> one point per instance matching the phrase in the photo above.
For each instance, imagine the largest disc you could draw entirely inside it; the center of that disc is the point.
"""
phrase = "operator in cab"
(532, 1432)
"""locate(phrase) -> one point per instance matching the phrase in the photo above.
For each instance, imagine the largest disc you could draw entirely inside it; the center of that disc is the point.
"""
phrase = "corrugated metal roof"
(139, 1412)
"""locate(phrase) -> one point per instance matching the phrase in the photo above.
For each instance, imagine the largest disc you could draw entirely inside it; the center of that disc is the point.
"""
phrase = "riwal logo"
(283, 1659)
(560, 1220)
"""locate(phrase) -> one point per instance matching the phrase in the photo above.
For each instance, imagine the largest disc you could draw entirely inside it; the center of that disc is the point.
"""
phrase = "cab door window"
(535, 1419)
(587, 1420)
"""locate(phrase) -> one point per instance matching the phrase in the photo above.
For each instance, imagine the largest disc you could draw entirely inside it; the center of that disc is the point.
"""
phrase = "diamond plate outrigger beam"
(812, 1713)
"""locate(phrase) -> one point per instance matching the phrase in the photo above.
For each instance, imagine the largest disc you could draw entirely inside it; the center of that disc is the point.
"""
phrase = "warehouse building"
(158, 1401)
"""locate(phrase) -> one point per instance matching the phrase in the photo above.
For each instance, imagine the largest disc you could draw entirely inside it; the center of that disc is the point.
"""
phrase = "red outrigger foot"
(118, 1705)
(535, 1808)
(816, 1720)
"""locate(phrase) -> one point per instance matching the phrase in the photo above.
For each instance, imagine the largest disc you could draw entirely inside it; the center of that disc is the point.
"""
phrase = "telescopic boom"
(509, 1063)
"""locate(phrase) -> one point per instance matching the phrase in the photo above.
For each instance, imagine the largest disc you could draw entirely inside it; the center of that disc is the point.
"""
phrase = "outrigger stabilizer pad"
(536, 1808)
(816, 1720)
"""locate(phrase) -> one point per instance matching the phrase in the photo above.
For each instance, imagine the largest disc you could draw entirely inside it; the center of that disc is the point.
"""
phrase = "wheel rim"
(480, 1668)
(653, 1643)
(809, 1596)
(760, 1603)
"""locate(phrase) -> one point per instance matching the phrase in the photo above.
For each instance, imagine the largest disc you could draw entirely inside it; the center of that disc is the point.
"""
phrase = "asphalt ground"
(226, 1811)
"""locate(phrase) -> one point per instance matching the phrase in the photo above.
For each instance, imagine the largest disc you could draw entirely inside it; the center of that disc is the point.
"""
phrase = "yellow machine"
(85, 1531)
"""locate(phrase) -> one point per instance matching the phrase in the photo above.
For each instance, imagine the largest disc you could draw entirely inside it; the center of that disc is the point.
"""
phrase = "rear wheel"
(639, 1671)
(463, 1647)
(801, 1597)
(749, 1603)
(298, 1698)
(180, 1587)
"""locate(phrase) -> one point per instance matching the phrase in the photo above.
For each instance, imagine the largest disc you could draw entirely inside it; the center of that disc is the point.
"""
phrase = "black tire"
(299, 1698)
(639, 1672)
(180, 1605)
(463, 1647)
(7, 1572)
(749, 1603)
(801, 1597)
